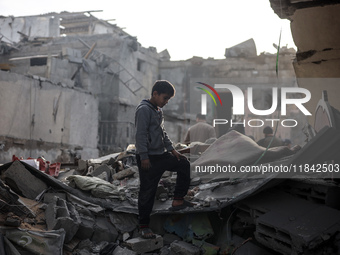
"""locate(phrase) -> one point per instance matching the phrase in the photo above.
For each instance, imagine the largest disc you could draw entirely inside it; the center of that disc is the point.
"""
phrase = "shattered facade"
(314, 26)
(100, 58)
(116, 73)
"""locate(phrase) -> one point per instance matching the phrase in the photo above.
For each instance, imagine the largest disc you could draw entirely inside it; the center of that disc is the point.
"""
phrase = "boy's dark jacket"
(151, 137)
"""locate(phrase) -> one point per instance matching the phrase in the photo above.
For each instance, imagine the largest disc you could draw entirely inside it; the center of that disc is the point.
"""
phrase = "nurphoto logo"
(239, 102)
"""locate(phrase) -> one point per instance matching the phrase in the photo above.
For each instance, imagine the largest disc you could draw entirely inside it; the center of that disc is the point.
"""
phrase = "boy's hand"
(177, 155)
(145, 164)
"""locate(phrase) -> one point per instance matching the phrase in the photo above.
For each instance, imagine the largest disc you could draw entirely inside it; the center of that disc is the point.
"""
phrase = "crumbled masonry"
(87, 209)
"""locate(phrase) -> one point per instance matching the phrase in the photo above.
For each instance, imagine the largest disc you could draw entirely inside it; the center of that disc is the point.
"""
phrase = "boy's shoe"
(182, 206)
(147, 233)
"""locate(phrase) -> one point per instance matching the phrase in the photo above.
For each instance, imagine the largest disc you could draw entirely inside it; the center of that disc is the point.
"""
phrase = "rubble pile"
(91, 208)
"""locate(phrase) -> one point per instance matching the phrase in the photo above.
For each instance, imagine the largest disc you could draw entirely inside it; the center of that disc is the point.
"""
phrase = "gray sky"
(185, 27)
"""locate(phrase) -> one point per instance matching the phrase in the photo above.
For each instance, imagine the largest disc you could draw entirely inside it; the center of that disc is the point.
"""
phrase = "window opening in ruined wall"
(38, 61)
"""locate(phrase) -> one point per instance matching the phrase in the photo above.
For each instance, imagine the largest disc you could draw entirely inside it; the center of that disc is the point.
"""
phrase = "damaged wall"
(39, 118)
(30, 26)
(315, 32)
(243, 71)
(315, 26)
(119, 72)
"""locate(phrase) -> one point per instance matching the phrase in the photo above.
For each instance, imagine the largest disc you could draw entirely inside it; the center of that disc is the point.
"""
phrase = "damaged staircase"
(118, 70)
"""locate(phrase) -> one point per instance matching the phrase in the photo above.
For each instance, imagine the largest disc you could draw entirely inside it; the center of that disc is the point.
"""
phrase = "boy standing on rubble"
(155, 154)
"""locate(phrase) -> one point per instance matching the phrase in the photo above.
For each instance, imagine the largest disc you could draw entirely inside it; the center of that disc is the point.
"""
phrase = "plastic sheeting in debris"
(37, 242)
(97, 186)
(233, 150)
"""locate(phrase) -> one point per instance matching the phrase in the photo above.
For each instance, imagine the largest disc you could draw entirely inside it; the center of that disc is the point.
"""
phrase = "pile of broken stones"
(90, 208)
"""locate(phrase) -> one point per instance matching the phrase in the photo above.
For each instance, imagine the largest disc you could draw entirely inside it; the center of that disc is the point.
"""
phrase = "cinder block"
(318, 191)
(183, 248)
(293, 233)
(253, 207)
(61, 214)
(141, 245)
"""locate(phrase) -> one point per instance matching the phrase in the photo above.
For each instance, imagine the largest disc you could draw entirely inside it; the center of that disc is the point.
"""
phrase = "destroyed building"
(70, 55)
(90, 207)
(94, 58)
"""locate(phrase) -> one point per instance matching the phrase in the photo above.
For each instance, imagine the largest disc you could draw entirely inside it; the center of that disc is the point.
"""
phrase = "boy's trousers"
(149, 180)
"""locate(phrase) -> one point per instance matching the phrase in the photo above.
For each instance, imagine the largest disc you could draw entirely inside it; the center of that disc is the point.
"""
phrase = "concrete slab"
(141, 245)
(17, 177)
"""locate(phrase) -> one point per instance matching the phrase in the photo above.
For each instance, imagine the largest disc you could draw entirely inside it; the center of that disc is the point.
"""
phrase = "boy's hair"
(163, 87)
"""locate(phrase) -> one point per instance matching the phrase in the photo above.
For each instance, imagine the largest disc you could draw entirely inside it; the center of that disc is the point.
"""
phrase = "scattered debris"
(93, 207)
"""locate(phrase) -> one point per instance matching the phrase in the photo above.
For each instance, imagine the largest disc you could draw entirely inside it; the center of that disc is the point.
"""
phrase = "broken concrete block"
(126, 236)
(242, 50)
(123, 251)
(72, 55)
(85, 230)
(13, 221)
(61, 214)
(183, 248)
(104, 231)
(103, 172)
(123, 174)
(17, 177)
(82, 165)
(141, 245)
(124, 222)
